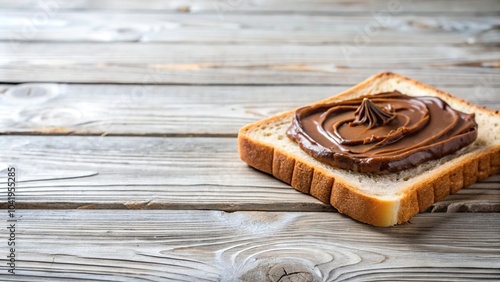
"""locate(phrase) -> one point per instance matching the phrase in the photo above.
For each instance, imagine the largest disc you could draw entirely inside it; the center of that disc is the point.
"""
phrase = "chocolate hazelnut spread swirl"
(369, 112)
(382, 133)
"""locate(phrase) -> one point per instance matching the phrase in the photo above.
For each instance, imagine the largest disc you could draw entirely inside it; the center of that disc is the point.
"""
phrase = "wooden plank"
(276, 6)
(164, 173)
(143, 173)
(146, 110)
(105, 26)
(165, 110)
(243, 64)
(114, 245)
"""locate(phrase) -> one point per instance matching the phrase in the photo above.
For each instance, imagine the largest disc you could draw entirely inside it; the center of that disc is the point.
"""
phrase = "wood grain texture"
(146, 109)
(164, 110)
(143, 173)
(184, 207)
(250, 246)
(166, 173)
(275, 6)
(243, 64)
(110, 26)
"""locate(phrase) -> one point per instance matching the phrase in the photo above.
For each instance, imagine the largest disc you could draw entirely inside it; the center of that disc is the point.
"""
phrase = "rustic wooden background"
(121, 119)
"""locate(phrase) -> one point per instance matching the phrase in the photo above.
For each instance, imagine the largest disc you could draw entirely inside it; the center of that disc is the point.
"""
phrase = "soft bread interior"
(390, 188)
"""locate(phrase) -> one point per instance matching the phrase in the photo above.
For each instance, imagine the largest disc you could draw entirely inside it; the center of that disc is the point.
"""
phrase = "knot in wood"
(31, 93)
(291, 272)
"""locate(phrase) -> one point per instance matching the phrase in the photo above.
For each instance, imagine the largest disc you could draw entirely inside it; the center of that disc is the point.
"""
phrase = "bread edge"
(321, 184)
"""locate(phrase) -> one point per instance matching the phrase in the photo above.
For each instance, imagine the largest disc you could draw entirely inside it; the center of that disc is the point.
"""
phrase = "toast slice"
(380, 200)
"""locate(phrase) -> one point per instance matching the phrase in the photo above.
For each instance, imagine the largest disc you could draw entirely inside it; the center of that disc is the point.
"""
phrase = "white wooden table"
(120, 118)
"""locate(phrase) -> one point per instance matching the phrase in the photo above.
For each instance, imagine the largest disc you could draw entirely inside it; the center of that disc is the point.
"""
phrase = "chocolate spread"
(382, 133)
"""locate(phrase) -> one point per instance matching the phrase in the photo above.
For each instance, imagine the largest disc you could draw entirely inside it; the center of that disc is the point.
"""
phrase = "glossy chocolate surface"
(382, 133)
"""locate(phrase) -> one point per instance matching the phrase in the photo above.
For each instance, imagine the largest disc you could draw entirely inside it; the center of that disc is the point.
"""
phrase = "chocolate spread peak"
(382, 133)
(375, 116)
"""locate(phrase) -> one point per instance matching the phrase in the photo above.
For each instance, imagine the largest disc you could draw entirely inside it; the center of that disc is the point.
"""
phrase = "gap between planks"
(58, 131)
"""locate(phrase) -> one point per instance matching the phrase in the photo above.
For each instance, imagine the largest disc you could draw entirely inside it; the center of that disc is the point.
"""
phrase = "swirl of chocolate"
(369, 112)
(382, 133)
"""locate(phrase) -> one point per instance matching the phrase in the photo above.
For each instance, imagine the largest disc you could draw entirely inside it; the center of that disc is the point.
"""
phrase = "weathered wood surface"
(243, 64)
(167, 173)
(118, 245)
(164, 110)
(275, 6)
(388, 28)
(134, 206)
(146, 109)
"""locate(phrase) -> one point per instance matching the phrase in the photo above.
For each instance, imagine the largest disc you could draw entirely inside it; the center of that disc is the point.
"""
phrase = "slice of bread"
(381, 200)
